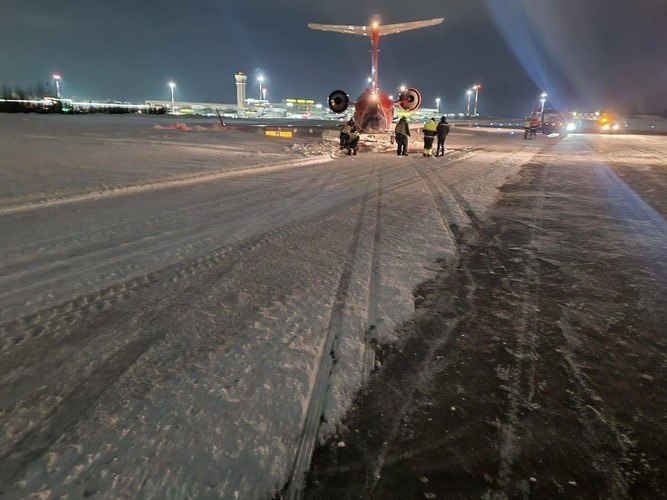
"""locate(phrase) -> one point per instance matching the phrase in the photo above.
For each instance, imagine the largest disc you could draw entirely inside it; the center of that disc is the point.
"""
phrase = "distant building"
(301, 107)
(245, 107)
(241, 83)
(194, 108)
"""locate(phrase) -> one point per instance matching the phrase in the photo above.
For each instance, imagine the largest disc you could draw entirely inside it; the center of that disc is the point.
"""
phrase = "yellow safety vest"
(431, 126)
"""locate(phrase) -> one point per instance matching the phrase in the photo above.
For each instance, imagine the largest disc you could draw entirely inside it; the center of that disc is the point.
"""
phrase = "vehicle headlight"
(605, 127)
(615, 127)
(571, 127)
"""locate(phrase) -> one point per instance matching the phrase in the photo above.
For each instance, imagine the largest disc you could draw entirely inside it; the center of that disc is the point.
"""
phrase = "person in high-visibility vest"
(430, 130)
(534, 125)
(526, 130)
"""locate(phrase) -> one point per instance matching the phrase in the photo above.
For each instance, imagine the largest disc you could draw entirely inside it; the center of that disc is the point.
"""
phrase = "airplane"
(374, 109)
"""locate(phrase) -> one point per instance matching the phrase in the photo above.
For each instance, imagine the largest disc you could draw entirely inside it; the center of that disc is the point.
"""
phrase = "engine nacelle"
(410, 99)
(338, 101)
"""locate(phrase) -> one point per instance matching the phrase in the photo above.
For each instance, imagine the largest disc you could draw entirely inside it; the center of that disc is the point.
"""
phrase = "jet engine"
(338, 101)
(410, 99)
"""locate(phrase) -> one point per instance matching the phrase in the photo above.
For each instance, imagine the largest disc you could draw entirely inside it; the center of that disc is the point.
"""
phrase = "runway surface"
(189, 313)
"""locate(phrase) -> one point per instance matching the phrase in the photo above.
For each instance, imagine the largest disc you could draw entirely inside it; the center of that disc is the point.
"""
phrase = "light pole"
(260, 79)
(437, 105)
(543, 101)
(264, 90)
(476, 88)
(172, 85)
(469, 94)
(57, 78)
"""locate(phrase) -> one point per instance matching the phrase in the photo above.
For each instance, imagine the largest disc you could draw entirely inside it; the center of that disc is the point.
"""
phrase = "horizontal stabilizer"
(339, 28)
(383, 29)
(390, 29)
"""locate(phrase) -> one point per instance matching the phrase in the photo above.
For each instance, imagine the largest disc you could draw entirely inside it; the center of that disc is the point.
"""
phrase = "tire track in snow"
(295, 485)
(471, 216)
(195, 209)
(69, 244)
(452, 229)
(601, 424)
(46, 319)
(198, 234)
(178, 181)
(526, 341)
(525, 353)
(38, 323)
(58, 328)
(652, 154)
(370, 337)
(585, 404)
(11, 331)
(56, 318)
(174, 242)
(63, 416)
(20, 253)
(465, 288)
(455, 212)
(369, 354)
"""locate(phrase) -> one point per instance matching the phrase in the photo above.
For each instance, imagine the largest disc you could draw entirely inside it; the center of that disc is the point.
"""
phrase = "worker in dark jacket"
(430, 131)
(353, 141)
(442, 132)
(402, 133)
(345, 133)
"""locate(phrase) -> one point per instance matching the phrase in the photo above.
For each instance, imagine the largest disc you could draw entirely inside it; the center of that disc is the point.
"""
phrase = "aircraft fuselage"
(374, 111)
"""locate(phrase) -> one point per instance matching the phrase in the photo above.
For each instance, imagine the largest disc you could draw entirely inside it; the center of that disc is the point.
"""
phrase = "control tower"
(241, 81)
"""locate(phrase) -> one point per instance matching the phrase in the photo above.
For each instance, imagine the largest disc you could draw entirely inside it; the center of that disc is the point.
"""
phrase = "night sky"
(588, 54)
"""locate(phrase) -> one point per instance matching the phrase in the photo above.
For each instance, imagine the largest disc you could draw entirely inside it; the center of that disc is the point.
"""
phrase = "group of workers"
(432, 130)
(530, 128)
(349, 137)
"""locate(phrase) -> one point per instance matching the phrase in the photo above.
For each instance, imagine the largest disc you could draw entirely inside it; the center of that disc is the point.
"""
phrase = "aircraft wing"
(339, 28)
(390, 29)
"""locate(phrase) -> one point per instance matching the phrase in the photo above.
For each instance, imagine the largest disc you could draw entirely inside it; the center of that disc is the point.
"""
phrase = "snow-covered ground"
(175, 305)
(534, 366)
(45, 156)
